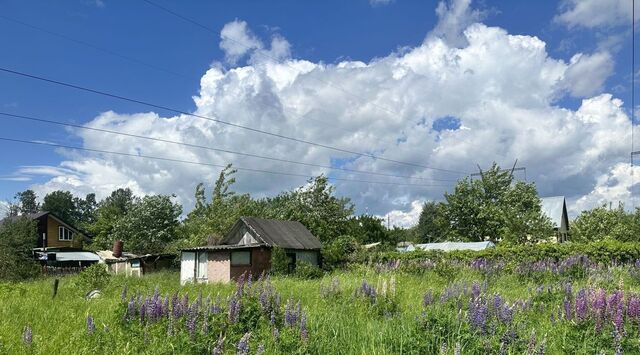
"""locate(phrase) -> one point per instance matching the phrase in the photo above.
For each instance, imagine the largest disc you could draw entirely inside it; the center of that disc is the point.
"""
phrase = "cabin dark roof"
(272, 232)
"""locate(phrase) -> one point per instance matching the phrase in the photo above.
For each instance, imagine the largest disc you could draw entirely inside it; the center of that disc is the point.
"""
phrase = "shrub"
(17, 237)
(279, 261)
(95, 276)
(305, 270)
(338, 252)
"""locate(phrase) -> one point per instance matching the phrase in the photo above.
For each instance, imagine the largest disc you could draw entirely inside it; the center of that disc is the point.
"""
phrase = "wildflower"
(243, 344)
(234, 309)
(91, 327)
(27, 335)
(217, 350)
(475, 290)
(478, 312)
(123, 295)
(276, 334)
(443, 348)
(581, 305)
(567, 309)
(427, 299)
(260, 349)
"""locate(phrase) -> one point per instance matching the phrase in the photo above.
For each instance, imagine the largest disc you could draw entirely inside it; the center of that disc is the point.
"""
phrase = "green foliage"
(27, 201)
(368, 229)
(433, 225)
(95, 276)
(62, 205)
(150, 225)
(279, 261)
(17, 237)
(605, 252)
(338, 252)
(305, 270)
(108, 214)
(497, 209)
(606, 223)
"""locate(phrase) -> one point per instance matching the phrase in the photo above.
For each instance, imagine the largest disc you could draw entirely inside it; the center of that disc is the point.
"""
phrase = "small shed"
(556, 209)
(247, 248)
(129, 264)
(449, 246)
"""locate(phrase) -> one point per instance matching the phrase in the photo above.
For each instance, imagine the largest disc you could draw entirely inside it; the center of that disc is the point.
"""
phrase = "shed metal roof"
(554, 207)
(284, 234)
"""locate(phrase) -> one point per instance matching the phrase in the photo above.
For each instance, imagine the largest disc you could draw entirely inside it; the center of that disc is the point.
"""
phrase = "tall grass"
(341, 319)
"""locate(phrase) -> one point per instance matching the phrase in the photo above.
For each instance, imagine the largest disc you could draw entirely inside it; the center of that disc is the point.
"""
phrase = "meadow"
(571, 305)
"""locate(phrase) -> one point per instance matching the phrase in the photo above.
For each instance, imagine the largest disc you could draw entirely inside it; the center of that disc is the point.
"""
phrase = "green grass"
(341, 324)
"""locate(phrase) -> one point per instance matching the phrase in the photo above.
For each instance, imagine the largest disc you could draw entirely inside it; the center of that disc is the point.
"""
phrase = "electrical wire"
(207, 164)
(255, 130)
(30, 118)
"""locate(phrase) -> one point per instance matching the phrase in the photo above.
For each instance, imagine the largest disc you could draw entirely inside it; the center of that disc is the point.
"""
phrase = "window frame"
(241, 251)
(65, 234)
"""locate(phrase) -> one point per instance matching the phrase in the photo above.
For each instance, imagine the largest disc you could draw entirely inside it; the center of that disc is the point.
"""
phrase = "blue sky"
(319, 32)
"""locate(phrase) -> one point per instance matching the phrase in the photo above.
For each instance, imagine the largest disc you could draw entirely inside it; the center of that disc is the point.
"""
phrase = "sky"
(399, 98)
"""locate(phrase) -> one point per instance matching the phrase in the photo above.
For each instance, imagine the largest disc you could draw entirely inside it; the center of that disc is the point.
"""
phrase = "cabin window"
(135, 264)
(240, 258)
(64, 233)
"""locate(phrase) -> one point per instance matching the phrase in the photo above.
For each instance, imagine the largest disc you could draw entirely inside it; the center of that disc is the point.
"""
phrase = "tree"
(603, 222)
(433, 225)
(368, 229)
(107, 215)
(150, 225)
(61, 203)
(86, 210)
(17, 238)
(27, 201)
(497, 209)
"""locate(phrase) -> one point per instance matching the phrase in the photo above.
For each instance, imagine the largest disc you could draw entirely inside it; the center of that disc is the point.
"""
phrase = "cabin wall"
(53, 240)
(219, 266)
(260, 262)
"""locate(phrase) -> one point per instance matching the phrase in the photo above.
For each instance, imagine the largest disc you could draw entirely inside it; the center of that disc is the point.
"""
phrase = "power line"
(7, 115)
(255, 130)
(93, 46)
(206, 164)
(633, 96)
(266, 55)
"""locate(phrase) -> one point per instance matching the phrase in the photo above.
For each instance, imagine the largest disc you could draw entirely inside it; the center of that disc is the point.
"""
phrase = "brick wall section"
(260, 262)
(218, 266)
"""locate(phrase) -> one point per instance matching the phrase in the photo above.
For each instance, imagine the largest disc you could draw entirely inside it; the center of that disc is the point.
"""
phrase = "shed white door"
(187, 267)
(202, 266)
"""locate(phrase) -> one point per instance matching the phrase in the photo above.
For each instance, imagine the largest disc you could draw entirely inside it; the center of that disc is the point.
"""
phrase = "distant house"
(556, 209)
(59, 243)
(247, 248)
(53, 232)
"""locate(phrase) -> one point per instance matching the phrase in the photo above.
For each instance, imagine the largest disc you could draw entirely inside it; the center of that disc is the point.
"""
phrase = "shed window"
(135, 264)
(240, 258)
(64, 233)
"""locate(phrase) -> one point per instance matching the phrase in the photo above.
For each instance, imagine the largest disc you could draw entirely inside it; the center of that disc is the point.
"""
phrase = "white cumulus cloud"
(502, 88)
(595, 13)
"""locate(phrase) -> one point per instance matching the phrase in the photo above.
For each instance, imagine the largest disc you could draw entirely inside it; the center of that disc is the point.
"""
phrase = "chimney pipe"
(117, 248)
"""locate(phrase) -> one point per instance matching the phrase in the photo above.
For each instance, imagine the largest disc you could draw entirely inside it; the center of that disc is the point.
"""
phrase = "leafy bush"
(17, 237)
(604, 252)
(338, 252)
(305, 270)
(279, 261)
(95, 276)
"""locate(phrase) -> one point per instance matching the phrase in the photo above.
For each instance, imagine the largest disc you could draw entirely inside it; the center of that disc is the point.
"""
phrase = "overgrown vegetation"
(17, 238)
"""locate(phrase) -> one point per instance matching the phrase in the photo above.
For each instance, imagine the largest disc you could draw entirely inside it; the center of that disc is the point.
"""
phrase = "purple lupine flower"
(215, 308)
(191, 321)
(505, 314)
(219, 348)
(568, 315)
(243, 344)
(91, 326)
(234, 309)
(599, 305)
(27, 335)
(531, 347)
(170, 327)
(633, 307)
(304, 333)
(272, 318)
(475, 290)
(240, 285)
(143, 311)
(165, 307)
(123, 295)
(618, 320)
(478, 312)
(582, 304)
(427, 299)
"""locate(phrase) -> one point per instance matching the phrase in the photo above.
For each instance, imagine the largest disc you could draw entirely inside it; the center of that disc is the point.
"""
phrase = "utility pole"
(512, 170)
